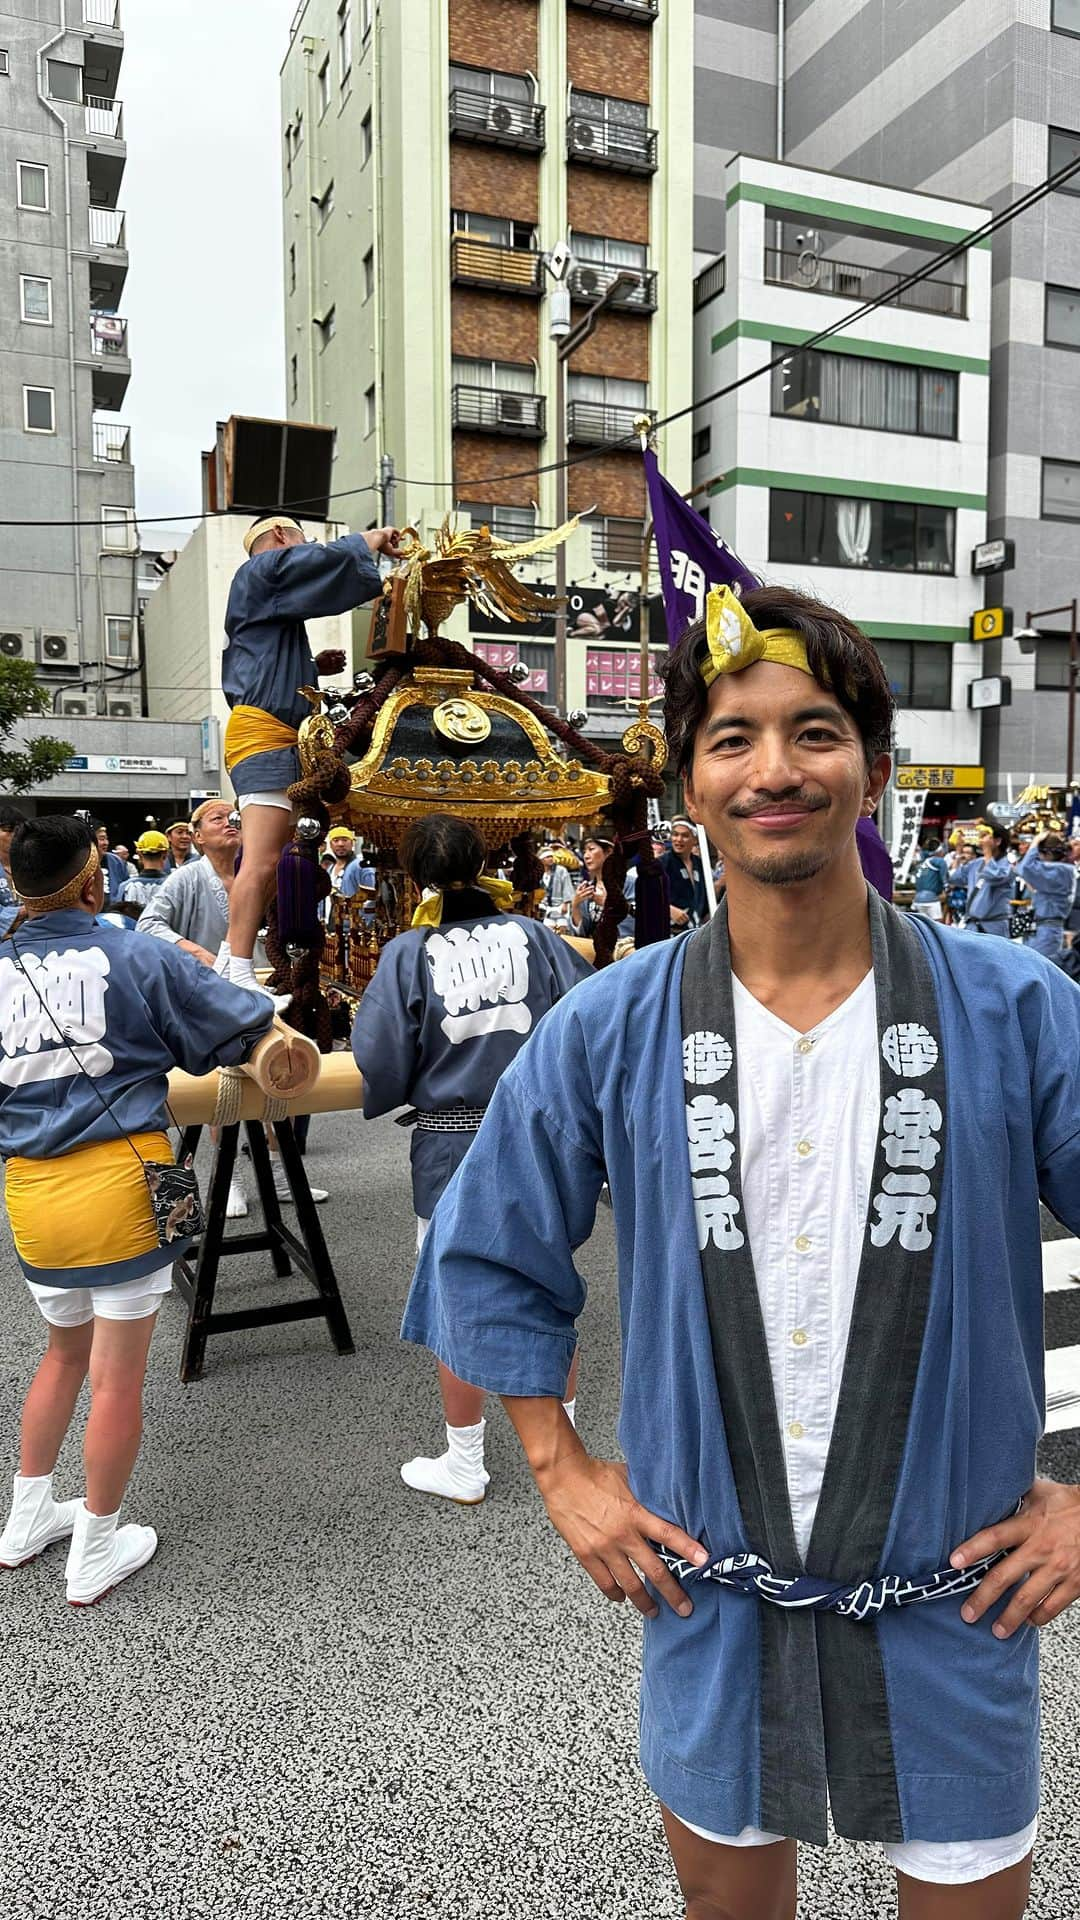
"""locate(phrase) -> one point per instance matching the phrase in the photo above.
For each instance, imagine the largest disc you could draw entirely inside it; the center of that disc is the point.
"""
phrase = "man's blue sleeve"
(313, 582)
(204, 1020)
(496, 1292)
(1056, 1097)
(350, 880)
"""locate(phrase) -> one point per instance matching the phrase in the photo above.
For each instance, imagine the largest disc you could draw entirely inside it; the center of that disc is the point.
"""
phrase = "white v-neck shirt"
(809, 1113)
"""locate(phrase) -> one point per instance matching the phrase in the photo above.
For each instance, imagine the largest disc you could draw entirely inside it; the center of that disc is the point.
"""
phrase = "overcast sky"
(202, 193)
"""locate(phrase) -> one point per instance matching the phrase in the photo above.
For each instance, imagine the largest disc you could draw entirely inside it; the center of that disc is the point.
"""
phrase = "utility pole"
(567, 340)
(1030, 634)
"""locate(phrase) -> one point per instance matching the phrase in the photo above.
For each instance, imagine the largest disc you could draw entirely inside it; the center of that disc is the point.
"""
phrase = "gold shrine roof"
(442, 745)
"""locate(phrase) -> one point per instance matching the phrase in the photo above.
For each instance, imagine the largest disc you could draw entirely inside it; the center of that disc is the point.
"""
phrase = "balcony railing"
(589, 280)
(504, 123)
(101, 13)
(112, 443)
(491, 410)
(108, 336)
(108, 227)
(710, 281)
(630, 9)
(603, 143)
(616, 545)
(104, 116)
(592, 423)
(479, 263)
(849, 281)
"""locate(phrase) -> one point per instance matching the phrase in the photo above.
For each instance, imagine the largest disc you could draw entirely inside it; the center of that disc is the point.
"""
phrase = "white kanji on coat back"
(706, 1058)
(52, 999)
(481, 974)
(909, 1049)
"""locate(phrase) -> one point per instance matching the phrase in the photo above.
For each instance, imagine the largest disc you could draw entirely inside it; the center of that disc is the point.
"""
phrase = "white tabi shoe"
(283, 1191)
(102, 1554)
(458, 1474)
(36, 1521)
(236, 1206)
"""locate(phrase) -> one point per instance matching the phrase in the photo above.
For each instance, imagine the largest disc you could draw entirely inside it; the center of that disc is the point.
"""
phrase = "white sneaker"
(284, 1194)
(236, 1206)
(102, 1554)
(458, 1474)
(36, 1521)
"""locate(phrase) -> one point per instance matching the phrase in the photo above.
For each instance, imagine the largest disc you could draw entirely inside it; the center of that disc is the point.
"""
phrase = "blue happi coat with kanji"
(948, 1715)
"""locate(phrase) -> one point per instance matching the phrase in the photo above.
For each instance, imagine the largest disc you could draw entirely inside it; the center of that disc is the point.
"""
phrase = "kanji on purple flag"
(692, 559)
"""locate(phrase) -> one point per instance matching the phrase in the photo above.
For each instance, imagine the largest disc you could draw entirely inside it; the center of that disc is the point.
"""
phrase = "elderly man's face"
(216, 830)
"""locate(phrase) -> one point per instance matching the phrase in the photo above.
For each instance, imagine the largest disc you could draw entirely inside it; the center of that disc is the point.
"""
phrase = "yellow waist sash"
(90, 1208)
(252, 730)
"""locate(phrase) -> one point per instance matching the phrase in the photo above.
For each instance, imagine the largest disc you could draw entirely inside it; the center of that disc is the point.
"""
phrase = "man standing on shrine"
(831, 1302)
(286, 581)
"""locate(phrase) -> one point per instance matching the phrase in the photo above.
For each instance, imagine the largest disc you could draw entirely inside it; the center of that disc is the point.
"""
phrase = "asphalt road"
(328, 1696)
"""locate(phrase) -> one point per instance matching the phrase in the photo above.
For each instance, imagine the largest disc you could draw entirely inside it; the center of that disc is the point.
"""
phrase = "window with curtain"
(506, 376)
(823, 530)
(1064, 147)
(597, 248)
(607, 392)
(919, 672)
(1061, 490)
(848, 390)
(497, 86)
(1063, 314)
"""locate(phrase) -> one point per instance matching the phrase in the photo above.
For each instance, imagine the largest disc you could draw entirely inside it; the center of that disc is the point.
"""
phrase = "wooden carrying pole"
(337, 1088)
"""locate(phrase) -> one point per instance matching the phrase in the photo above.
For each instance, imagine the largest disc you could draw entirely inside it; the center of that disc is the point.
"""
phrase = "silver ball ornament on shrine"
(577, 718)
(236, 820)
(363, 683)
(518, 673)
(309, 829)
(339, 713)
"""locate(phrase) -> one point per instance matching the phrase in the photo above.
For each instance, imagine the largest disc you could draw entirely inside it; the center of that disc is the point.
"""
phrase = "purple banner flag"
(692, 559)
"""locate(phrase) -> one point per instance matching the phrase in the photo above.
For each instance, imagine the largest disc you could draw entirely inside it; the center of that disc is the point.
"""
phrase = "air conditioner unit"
(850, 283)
(59, 653)
(512, 407)
(584, 134)
(500, 118)
(588, 281)
(123, 709)
(17, 643)
(81, 705)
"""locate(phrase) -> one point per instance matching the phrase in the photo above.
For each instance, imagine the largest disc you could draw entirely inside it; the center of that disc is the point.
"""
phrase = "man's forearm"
(545, 1431)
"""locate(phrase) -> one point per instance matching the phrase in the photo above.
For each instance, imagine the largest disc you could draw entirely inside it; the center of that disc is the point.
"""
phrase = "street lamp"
(1030, 635)
(568, 338)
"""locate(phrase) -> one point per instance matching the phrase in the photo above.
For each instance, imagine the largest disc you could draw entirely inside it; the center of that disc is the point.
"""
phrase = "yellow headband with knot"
(430, 911)
(734, 642)
(65, 896)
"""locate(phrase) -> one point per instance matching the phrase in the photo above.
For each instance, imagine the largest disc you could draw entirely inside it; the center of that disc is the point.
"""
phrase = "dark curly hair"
(841, 658)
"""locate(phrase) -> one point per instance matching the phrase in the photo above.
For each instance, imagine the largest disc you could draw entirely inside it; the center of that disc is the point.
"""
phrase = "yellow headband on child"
(267, 526)
(734, 642)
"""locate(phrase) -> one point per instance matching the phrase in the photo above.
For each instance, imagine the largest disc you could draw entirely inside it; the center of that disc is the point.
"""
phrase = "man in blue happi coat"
(286, 581)
(831, 1304)
(1048, 870)
(990, 880)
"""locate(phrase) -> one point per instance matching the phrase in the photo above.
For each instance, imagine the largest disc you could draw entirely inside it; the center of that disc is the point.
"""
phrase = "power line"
(1052, 183)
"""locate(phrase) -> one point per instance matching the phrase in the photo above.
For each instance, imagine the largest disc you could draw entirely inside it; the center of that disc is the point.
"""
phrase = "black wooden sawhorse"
(197, 1278)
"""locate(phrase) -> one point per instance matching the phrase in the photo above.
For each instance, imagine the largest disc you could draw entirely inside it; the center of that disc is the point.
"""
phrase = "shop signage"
(122, 763)
(942, 779)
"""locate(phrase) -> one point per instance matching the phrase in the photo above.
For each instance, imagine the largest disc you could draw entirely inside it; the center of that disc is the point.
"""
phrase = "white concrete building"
(856, 472)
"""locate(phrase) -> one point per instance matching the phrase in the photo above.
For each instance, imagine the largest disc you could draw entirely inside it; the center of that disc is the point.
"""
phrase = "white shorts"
(930, 909)
(944, 1863)
(77, 1306)
(277, 798)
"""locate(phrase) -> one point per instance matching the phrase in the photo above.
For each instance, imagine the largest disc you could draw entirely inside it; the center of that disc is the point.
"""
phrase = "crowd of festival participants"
(865, 1386)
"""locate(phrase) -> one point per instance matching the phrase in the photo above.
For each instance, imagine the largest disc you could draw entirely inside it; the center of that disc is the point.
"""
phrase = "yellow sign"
(942, 779)
(992, 623)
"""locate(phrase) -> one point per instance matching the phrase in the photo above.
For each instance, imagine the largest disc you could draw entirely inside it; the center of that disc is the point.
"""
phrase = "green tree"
(24, 768)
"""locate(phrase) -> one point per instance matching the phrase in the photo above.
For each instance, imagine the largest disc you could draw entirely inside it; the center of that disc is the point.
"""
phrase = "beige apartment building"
(435, 154)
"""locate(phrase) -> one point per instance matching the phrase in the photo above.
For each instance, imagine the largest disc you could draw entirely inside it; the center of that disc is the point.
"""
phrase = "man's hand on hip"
(590, 1503)
(1042, 1553)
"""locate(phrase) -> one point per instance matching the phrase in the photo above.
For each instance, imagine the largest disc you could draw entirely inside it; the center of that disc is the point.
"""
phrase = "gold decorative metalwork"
(643, 732)
(461, 721)
(316, 733)
(467, 563)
